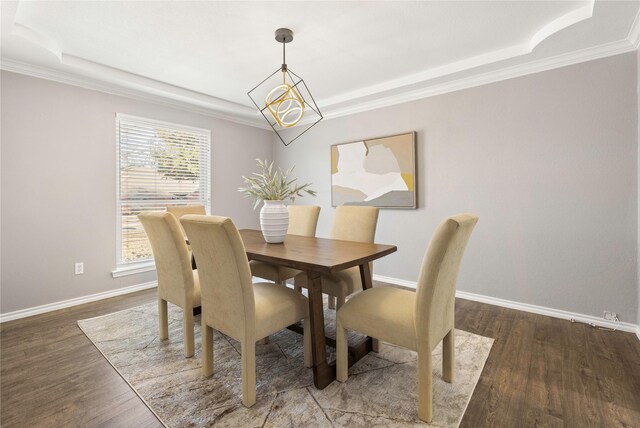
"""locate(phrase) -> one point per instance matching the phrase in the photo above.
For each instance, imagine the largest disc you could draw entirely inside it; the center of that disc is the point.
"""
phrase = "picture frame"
(379, 172)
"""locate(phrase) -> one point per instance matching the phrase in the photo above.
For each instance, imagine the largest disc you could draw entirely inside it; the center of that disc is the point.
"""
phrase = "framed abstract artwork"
(379, 172)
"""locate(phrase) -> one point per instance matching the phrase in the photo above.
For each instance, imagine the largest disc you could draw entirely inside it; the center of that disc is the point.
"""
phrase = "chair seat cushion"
(264, 270)
(287, 273)
(271, 272)
(345, 281)
(383, 313)
(342, 282)
(277, 307)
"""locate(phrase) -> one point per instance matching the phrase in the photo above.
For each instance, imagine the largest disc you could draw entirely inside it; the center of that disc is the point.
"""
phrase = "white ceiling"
(353, 56)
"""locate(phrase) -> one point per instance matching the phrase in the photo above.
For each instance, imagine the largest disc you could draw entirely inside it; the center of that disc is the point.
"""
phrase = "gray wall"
(58, 186)
(549, 163)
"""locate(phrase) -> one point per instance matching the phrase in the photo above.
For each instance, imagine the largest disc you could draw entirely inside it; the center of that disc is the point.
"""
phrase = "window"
(159, 164)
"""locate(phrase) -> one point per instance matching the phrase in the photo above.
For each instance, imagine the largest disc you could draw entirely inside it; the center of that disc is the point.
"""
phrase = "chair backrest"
(435, 300)
(182, 210)
(173, 263)
(226, 289)
(355, 223)
(303, 219)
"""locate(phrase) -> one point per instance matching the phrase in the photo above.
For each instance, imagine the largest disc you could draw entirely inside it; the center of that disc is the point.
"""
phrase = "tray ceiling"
(353, 55)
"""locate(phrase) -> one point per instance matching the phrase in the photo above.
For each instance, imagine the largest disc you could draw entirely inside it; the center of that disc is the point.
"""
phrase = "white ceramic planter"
(274, 221)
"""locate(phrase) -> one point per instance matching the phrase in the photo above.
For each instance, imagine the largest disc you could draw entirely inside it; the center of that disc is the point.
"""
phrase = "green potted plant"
(273, 186)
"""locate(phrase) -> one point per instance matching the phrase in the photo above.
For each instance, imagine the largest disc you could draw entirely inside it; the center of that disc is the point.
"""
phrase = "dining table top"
(312, 254)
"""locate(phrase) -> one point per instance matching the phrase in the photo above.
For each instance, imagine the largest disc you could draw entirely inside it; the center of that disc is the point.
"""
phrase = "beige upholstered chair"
(303, 220)
(233, 305)
(350, 223)
(177, 282)
(182, 210)
(415, 320)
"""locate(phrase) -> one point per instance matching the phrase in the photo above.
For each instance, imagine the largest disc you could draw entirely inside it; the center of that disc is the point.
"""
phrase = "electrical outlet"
(79, 268)
(610, 316)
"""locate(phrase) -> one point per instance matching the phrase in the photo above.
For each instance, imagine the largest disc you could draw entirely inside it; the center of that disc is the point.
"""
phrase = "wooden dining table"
(317, 256)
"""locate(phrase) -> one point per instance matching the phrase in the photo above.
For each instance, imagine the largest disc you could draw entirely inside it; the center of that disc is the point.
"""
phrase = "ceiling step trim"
(520, 70)
(195, 106)
(634, 32)
(115, 89)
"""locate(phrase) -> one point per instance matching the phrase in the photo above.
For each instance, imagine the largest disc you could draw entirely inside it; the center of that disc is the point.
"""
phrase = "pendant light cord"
(284, 61)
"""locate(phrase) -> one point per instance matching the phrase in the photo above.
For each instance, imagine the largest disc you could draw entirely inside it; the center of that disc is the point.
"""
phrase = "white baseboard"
(555, 313)
(395, 281)
(23, 313)
(541, 310)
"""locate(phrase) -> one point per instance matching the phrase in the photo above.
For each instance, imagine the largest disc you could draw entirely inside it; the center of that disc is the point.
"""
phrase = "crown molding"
(187, 102)
(560, 23)
(227, 109)
(193, 102)
(559, 61)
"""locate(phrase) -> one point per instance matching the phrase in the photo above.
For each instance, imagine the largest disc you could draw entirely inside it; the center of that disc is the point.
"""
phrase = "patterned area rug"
(381, 390)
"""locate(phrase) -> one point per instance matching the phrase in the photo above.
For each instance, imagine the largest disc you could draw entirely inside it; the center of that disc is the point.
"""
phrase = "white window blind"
(159, 164)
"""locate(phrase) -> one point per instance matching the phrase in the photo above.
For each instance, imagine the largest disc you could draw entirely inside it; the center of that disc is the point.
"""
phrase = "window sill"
(133, 269)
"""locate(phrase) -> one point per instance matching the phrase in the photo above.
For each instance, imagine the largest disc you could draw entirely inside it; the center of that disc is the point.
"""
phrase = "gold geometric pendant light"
(287, 99)
(285, 104)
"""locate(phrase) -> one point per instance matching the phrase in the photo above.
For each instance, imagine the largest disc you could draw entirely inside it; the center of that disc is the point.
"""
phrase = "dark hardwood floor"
(545, 371)
(541, 372)
(51, 375)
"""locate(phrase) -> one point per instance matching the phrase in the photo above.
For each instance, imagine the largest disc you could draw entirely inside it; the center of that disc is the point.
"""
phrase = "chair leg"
(340, 299)
(332, 302)
(263, 341)
(163, 319)
(448, 356)
(342, 353)
(425, 378)
(207, 349)
(308, 356)
(248, 372)
(187, 331)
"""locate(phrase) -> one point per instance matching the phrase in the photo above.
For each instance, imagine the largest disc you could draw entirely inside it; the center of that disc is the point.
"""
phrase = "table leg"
(365, 276)
(367, 282)
(323, 373)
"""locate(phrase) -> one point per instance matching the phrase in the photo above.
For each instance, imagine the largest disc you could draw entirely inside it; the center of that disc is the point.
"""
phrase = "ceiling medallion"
(287, 98)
